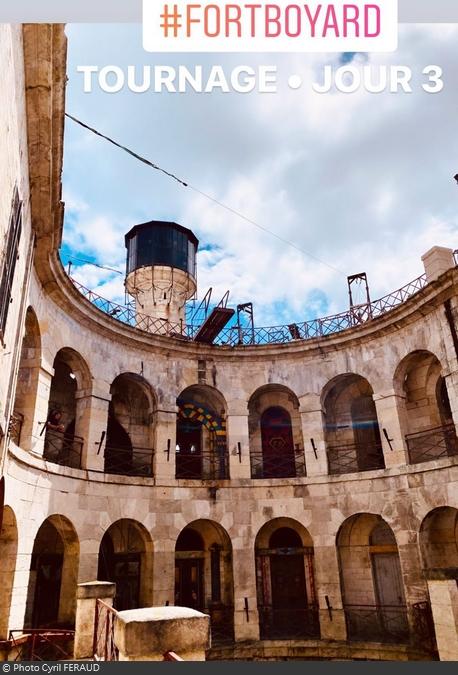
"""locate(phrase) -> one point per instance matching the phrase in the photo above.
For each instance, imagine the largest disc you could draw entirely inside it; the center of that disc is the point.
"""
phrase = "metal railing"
(377, 623)
(42, 644)
(288, 624)
(104, 648)
(238, 336)
(129, 461)
(430, 444)
(353, 457)
(203, 465)
(423, 632)
(278, 465)
(61, 448)
(15, 427)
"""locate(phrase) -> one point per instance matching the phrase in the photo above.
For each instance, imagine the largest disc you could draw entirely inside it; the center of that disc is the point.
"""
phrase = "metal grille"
(60, 448)
(278, 465)
(423, 626)
(350, 457)
(377, 623)
(42, 644)
(237, 336)
(222, 625)
(104, 648)
(203, 465)
(436, 443)
(288, 624)
(129, 462)
(15, 427)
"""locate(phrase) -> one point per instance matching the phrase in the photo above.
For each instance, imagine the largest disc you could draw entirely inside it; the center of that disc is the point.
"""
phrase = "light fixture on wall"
(73, 376)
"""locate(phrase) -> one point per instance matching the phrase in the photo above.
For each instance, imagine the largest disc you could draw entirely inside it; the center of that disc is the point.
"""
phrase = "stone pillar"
(451, 381)
(436, 261)
(238, 440)
(327, 582)
(312, 430)
(34, 435)
(390, 409)
(443, 594)
(91, 423)
(164, 572)
(413, 578)
(149, 633)
(246, 625)
(87, 595)
(165, 445)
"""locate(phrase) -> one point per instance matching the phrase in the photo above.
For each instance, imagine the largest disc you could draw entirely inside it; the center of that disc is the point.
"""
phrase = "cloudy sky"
(362, 182)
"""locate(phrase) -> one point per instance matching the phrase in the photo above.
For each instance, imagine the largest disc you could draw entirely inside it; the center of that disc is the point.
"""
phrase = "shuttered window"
(9, 259)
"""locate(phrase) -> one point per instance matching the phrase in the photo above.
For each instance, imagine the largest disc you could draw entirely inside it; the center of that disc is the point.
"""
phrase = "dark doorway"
(277, 444)
(189, 449)
(189, 570)
(118, 449)
(48, 567)
(123, 569)
(369, 453)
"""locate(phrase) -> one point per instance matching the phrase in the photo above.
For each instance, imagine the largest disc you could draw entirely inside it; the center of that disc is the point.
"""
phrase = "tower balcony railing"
(278, 465)
(354, 457)
(212, 465)
(289, 623)
(63, 449)
(431, 444)
(235, 335)
(377, 623)
(129, 461)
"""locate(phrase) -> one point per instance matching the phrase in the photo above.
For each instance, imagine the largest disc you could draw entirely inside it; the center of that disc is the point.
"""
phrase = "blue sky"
(361, 181)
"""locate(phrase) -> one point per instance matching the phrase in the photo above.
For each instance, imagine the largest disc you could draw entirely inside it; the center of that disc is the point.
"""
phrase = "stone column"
(165, 445)
(415, 587)
(91, 423)
(148, 634)
(246, 624)
(329, 592)
(86, 598)
(34, 435)
(451, 381)
(443, 594)
(312, 430)
(390, 413)
(164, 572)
(238, 440)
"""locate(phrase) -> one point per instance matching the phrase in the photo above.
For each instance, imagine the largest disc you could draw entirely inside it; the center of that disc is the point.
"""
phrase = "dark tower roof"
(155, 223)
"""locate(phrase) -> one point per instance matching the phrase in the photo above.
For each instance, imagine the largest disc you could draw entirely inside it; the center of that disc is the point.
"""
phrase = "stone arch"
(126, 559)
(371, 580)
(351, 427)
(70, 385)
(286, 594)
(22, 420)
(439, 540)
(275, 433)
(53, 575)
(424, 409)
(201, 441)
(131, 427)
(8, 558)
(204, 575)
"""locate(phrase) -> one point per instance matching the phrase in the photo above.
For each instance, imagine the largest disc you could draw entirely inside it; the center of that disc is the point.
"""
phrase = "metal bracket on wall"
(388, 439)
(168, 450)
(239, 451)
(247, 610)
(314, 448)
(329, 606)
(102, 438)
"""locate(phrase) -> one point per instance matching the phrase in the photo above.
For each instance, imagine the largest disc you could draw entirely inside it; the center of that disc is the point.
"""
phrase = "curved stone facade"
(323, 469)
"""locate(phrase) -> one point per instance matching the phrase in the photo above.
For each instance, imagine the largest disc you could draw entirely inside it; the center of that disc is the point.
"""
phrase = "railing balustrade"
(129, 461)
(202, 465)
(430, 444)
(353, 457)
(288, 624)
(278, 465)
(104, 648)
(377, 623)
(15, 427)
(64, 449)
